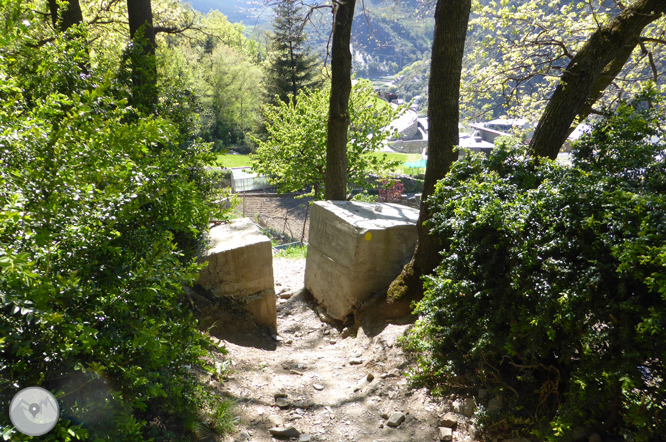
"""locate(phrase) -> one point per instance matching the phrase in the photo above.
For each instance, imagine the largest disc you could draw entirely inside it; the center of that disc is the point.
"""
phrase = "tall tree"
(142, 54)
(592, 68)
(291, 67)
(451, 19)
(338, 112)
(69, 15)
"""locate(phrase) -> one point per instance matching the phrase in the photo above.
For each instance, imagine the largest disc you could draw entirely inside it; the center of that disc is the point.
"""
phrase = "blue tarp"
(415, 164)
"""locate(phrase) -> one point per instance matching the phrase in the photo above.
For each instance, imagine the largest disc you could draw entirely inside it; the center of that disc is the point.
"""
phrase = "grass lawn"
(403, 158)
(228, 160)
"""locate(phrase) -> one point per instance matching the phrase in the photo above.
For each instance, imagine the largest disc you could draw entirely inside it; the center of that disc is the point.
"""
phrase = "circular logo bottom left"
(34, 411)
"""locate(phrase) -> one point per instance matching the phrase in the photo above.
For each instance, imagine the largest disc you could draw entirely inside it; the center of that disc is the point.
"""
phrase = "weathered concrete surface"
(355, 250)
(240, 266)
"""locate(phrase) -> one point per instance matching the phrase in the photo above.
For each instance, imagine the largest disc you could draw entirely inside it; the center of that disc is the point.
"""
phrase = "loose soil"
(334, 388)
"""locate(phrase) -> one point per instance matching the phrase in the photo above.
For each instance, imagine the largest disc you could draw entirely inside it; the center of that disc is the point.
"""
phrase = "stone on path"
(240, 266)
(244, 436)
(318, 387)
(396, 419)
(286, 295)
(275, 420)
(284, 432)
(282, 402)
(445, 434)
(449, 420)
(355, 361)
(304, 438)
(356, 249)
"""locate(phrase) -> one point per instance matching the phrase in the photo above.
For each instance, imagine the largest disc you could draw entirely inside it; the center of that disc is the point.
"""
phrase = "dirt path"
(328, 386)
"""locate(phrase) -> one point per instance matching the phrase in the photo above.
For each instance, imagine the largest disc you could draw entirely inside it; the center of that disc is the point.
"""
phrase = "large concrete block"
(240, 266)
(355, 250)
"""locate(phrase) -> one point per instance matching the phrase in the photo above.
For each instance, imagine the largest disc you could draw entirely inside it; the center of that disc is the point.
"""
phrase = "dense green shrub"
(99, 206)
(552, 286)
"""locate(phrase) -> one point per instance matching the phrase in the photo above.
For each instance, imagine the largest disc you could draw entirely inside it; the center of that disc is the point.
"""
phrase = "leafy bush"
(99, 207)
(552, 286)
(294, 155)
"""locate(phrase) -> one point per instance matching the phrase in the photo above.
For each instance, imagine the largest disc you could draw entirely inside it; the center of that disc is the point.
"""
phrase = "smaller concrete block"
(262, 308)
(240, 266)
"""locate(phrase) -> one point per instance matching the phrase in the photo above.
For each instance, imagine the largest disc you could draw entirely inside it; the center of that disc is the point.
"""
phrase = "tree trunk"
(144, 69)
(451, 19)
(592, 69)
(71, 15)
(335, 180)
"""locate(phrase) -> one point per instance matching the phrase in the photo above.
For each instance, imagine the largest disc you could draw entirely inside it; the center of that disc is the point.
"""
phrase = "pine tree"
(291, 67)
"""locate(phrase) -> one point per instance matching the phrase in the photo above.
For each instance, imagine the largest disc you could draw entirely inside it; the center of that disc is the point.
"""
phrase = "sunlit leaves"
(294, 156)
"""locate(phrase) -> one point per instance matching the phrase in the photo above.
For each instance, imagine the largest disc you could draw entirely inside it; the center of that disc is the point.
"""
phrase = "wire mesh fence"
(285, 217)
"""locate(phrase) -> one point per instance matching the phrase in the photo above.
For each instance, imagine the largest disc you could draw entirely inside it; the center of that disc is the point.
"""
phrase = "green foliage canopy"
(520, 47)
(98, 205)
(294, 155)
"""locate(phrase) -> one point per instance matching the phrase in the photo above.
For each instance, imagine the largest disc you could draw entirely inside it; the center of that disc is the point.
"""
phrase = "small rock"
(244, 436)
(286, 295)
(473, 431)
(276, 420)
(360, 385)
(594, 438)
(393, 373)
(289, 341)
(284, 432)
(332, 341)
(495, 404)
(384, 415)
(355, 361)
(380, 424)
(296, 372)
(445, 434)
(396, 419)
(304, 438)
(278, 338)
(392, 394)
(383, 375)
(449, 420)
(345, 333)
(303, 404)
(370, 377)
(282, 402)
(260, 411)
(468, 407)
(318, 387)
(327, 331)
